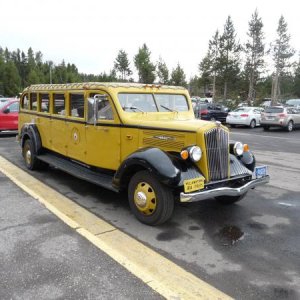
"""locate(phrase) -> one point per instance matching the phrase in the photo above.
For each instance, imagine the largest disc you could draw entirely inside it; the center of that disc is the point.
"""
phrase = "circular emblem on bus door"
(75, 136)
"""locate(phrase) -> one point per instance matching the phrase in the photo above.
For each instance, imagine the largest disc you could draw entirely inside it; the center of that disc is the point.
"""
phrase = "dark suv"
(211, 112)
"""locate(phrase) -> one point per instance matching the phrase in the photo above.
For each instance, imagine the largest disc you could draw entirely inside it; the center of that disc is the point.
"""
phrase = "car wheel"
(226, 200)
(266, 128)
(290, 126)
(232, 125)
(151, 202)
(252, 124)
(213, 119)
(30, 157)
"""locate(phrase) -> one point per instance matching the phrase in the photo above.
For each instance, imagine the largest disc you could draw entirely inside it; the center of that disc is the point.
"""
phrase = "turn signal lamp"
(246, 148)
(184, 154)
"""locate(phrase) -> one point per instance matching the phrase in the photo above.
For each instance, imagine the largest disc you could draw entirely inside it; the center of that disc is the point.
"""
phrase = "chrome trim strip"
(223, 191)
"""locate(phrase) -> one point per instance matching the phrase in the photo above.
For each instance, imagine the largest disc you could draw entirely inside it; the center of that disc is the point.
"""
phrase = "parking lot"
(249, 250)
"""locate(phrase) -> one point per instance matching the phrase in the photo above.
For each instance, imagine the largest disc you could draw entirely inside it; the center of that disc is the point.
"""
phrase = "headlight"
(238, 148)
(195, 153)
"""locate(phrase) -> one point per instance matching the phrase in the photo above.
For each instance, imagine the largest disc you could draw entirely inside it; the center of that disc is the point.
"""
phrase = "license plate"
(260, 171)
(194, 184)
(270, 118)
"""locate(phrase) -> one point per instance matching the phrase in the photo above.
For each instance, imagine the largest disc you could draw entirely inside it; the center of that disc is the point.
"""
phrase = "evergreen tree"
(296, 87)
(178, 77)
(282, 52)
(122, 65)
(142, 62)
(162, 72)
(228, 62)
(254, 50)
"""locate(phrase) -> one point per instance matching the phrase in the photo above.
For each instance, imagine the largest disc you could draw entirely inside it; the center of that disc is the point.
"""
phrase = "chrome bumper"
(223, 191)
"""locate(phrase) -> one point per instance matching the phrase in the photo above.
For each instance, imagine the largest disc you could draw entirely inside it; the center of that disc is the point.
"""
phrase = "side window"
(104, 109)
(14, 107)
(59, 104)
(25, 101)
(33, 101)
(77, 105)
(44, 103)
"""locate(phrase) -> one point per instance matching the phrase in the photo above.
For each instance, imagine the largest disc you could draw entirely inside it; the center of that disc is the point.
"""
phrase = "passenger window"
(44, 103)
(104, 109)
(33, 101)
(25, 102)
(59, 104)
(77, 105)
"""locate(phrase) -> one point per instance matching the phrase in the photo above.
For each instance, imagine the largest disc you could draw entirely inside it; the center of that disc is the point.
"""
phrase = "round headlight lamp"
(195, 153)
(238, 148)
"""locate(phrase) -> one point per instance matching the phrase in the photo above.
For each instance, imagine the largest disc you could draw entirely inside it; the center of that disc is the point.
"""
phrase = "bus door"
(102, 133)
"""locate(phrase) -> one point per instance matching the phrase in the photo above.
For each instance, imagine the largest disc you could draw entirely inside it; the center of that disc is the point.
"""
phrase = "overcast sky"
(89, 33)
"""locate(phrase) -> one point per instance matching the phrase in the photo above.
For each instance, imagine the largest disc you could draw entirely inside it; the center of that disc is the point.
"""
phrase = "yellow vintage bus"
(135, 137)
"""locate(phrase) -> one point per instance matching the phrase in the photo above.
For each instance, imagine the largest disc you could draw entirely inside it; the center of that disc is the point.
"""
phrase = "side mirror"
(6, 111)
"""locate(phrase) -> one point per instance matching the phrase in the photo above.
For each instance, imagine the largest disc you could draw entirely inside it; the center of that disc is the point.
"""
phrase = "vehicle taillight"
(204, 112)
(244, 115)
(282, 115)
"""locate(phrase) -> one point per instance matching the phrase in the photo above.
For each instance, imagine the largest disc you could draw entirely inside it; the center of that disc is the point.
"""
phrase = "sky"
(90, 33)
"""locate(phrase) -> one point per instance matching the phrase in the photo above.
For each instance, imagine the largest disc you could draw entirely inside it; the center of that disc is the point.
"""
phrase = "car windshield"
(143, 102)
(275, 110)
(2, 103)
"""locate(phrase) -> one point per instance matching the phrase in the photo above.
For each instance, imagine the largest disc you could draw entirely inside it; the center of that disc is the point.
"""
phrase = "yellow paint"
(161, 274)
(110, 142)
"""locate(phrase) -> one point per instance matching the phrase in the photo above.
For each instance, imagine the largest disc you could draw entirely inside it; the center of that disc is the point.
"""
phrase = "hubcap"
(145, 198)
(28, 156)
(290, 126)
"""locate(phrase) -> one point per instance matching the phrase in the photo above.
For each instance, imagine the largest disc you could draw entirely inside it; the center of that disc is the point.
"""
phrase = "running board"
(78, 170)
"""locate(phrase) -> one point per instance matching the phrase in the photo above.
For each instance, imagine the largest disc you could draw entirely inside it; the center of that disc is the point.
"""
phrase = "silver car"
(279, 116)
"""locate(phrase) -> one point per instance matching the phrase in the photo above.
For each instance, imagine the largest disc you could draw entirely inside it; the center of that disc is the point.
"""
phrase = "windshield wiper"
(132, 108)
(168, 108)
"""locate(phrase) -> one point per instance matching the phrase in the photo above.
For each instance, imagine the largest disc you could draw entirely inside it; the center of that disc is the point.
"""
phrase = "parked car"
(247, 116)
(279, 116)
(293, 102)
(212, 112)
(9, 112)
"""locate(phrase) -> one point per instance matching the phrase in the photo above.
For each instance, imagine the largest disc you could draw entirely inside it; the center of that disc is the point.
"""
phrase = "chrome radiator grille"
(217, 152)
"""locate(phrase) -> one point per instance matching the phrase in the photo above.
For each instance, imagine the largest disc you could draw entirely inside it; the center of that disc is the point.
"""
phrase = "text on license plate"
(260, 171)
(194, 184)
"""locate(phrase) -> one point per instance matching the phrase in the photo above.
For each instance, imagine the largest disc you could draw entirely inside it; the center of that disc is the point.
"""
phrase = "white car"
(247, 116)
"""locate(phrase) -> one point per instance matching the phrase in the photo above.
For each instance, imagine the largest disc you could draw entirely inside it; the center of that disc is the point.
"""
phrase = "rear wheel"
(226, 200)
(252, 124)
(30, 157)
(151, 202)
(290, 126)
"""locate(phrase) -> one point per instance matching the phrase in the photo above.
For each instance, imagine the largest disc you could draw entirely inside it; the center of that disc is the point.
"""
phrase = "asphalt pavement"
(43, 258)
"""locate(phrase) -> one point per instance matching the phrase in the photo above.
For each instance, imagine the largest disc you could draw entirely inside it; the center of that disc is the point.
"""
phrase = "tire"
(227, 200)
(290, 126)
(252, 124)
(151, 202)
(30, 157)
(266, 128)
(232, 125)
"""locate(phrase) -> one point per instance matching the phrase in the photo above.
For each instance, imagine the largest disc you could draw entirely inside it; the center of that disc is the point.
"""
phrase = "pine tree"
(162, 72)
(178, 77)
(282, 52)
(142, 62)
(122, 65)
(254, 50)
(228, 62)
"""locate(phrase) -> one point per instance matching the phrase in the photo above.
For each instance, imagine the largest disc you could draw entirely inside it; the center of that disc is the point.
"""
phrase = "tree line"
(229, 70)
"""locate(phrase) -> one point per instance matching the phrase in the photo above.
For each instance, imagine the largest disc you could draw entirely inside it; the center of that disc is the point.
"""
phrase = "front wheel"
(151, 202)
(290, 126)
(226, 200)
(252, 124)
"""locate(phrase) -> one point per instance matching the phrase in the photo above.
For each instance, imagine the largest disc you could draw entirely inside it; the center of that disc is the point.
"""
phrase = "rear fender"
(30, 131)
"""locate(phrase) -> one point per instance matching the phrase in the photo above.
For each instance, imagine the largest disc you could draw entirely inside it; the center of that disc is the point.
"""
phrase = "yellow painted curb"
(162, 275)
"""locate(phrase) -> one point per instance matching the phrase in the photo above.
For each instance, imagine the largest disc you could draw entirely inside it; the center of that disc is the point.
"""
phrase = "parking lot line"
(161, 274)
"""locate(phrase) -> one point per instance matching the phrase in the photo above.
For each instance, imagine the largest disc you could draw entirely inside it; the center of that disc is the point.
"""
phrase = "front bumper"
(223, 191)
